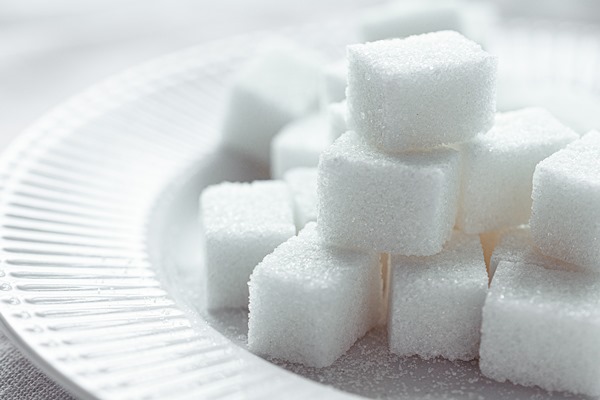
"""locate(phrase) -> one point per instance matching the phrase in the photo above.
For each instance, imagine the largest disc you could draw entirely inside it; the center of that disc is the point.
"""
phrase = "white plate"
(101, 258)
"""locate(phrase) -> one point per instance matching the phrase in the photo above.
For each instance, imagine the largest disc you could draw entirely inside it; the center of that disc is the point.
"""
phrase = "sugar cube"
(541, 327)
(565, 219)
(333, 82)
(403, 204)
(436, 301)
(299, 144)
(309, 302)
(303, 186)
(337, 120)
(516, 245)
(243, 222)
(279, 85)
(498, 168)
(421, 91)
(397, 19)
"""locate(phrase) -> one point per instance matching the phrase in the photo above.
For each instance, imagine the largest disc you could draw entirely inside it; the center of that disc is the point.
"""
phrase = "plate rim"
(135, 81)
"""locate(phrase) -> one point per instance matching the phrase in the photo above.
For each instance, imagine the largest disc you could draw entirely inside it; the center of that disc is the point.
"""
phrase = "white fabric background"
(50, 50)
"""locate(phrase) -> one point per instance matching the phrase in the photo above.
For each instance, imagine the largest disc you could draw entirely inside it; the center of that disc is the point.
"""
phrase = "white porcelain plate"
(100, 251)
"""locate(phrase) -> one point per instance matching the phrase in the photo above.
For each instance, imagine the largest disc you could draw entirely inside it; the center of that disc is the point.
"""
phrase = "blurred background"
(51, 50)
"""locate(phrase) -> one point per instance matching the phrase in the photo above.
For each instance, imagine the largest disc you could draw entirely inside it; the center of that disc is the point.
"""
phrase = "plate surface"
(100, 282)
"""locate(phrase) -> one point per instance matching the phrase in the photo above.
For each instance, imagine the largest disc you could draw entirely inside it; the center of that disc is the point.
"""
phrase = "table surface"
(50, 51)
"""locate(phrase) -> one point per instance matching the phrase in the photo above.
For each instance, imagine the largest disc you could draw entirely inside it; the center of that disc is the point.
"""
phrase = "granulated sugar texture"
(394, 190)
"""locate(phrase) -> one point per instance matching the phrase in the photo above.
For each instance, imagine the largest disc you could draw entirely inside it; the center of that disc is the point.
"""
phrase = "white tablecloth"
(19, 379)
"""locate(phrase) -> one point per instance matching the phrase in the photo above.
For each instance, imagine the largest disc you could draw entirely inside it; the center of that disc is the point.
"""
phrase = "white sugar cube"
(402, 204)
(299, 144)
(516, 245)
(310, 302)
(541, 327)
(278, 86)
(333, 82)
(421, 91)
(303, 186)
(397, 19)
(337, 119)
(242, 224)
(498, 168)
(436, 301)
(565, 219)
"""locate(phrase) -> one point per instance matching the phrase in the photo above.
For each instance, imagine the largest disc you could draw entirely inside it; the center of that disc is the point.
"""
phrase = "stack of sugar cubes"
(392, 183)
(421, 204)
(299, 143)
